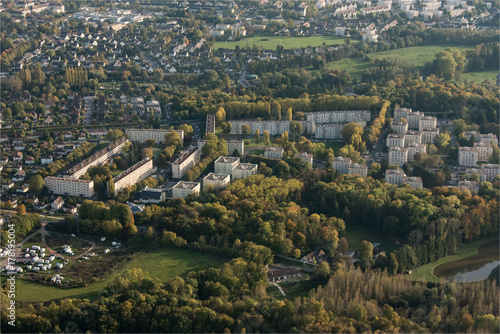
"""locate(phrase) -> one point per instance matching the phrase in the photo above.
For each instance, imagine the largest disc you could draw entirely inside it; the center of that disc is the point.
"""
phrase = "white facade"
(395, 176)
(490, 171)
(357, 169)
(158, 135)
(398, 156)
(399, 127)
(185, 162)
(341, 164)
(183, 189)
(274, 152)
(338, 116)
(395, 140)
(401, 113)
(224, 165)
(216, 180)
(413, 137)
(71, 187)
(274, 127)
(484, 151)
(413, 181)
(308, 158)
(237, 145)
(469, 185)
(467, 156)
(415, 148)
(241, 171)
(134, 174)
(429, 135)
(427, 123)
(328, 131)
(413, 119)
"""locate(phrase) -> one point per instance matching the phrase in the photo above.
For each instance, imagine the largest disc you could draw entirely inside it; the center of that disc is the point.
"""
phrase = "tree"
(220, 115)
(392, 268)
(158, 73)
(122, 213)
(226, 127)
(111, 187)
(295, 129)
(113, 135)
(36, 183)
(442, 140)
(289, 115)
(366, 253)
(150, 143)
(173, 138)
(351, 129)
(322, 270)
(246, 130)
(266, 137)
(188, 129)
(21, 210)
(257, 137)
(161, 160)
(147, 152)
(343, 246)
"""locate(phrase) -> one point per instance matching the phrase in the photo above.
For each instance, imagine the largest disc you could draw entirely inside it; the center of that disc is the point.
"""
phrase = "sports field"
(270, 42)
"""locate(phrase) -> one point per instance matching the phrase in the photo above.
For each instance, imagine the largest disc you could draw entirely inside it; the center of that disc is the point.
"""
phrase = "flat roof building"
(395, 176)
(341, 164)
(274, 152)
(216, 180)
(357, 169)
(158, 135)
(185, 162)
(70, 187)
(467, 156)
(183, 189)
(242, 170)
(398, 155)
(225, 165)
(235, 145)
(133, 175)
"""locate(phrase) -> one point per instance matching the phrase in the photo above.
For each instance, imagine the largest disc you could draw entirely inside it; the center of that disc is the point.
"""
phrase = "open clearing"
(270, 42)
(163, 263)
(356, 234)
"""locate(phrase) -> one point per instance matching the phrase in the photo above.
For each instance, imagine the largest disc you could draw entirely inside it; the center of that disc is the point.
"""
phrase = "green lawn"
(268, 42)
(163, 263)
(480, 76)
(356, 234)
(335, 146)
(355, 66)
(426, 272)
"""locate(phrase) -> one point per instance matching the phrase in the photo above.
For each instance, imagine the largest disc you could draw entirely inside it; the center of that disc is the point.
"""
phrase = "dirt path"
(279, 288)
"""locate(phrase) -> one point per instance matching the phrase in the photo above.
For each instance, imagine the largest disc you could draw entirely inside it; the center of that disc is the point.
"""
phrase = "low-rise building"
(467, 156)
(357, 169)
(307, 158)
(341, 164)
(57, 204)
(185, 162)
(395, 140)
(70, 187)
(46, 160)
(427, 123)
(183, 189)
(398, 155)
(413, 181)
(133, 175)
(225, 165)
(395, 176)
(216, 180)
(150, 195)
(274, 152)
(242, 170)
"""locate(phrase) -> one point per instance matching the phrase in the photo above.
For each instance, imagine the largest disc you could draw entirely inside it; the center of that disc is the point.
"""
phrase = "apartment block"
(99, 158)
(398, 155)
(328, 131)
(427, 123)
(413, 181)
(308, 158)
(429, 135)
(275, 128)
(467, 156)
(395, 176)
(488, 139)
(341, 164)
(401, 113)
(339, 116)
(395, 140)
(413, 137)
(414, 148)
(183, 189)
(400, 127)
(70, 187)
(484, 151)
(274, 152)
(357, 169)
(224, 165)
(153, 108)
(490, 171)
(158, 135)
(469, 185)
(216, 180)
(241, 170)
(414, 119)
(210, 125)
(235, 145)
(185, 162)
(134, 174)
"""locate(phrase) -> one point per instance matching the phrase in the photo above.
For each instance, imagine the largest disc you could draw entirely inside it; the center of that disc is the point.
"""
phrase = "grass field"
(335, 146)
(163, 263)
(355, 235)
(288, 42)
(480, 76)
(426, 272)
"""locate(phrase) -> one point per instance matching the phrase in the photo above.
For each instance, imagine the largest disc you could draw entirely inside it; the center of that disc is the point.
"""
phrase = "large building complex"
(467, 156)
(70, 187)
(395, 140)
(339, 116)
(328, 131)
(413, 137)
(183, 189)
(415, 148)
(484, 151)
(413, 181)
(225, 165)
(158, 135)
(216, 180)
(357, 169)
(134, 174)
(400, 127)
(185, 162)
(429, 135)
(395, 176)
(99, 158)
(275, 128)
(398, 155)
(489, 138)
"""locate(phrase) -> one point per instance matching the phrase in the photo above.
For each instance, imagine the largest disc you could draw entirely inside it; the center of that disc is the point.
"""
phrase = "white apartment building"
(413, 137)
(225, 165)
(99, 158)
(158, 135)
(185, 162)
(134, 174)
(399, 127)
(398, 156)
(414, 148)
(395, 176)
(429, 135)
(308, 158)
(469, 185)
(70, 187)
(490, 171)
(241, 170)
(274, 152)
(341, 164)
(401, 113)
(216, 180)
(413, 181)
(274, 127)
(413, 119)
(153, 108)
(338, 116)
(375, 9)
(395, 140)
(183, 189)
(467, 156)
(484, 151)
(427, 123)
(357, 169)
(235, 145)
(488, 139)
(328, 131)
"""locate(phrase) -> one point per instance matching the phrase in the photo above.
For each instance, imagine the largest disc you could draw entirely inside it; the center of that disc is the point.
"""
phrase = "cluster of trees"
(76, 76)
(290, 166)
(76, 155)
(23, 225)
(200, 167)
(126, 193)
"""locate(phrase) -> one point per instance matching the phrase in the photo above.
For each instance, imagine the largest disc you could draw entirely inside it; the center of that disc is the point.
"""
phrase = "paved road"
(150, 60)
(279, 288)
(242, 81)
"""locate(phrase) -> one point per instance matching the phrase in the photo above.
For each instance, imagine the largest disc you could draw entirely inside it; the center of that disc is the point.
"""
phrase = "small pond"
(473, 268)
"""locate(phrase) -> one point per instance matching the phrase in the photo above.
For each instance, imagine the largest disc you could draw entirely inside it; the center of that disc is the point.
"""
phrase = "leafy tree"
(220, 115)
(257, 137)
(295, 129)
(36, 183)
(393, 264)
(114, 135)
(246, 130)
(188, 129)
(147, 152)
(322, 270)
(442, 140)
(288, 116)
(343, 246)
(366, 253)
(266, 138)
(21, 210)
(150, 143)
(122, 213)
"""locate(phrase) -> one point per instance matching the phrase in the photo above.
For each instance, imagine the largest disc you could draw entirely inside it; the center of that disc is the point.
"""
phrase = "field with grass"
(163, 263)
(270, 42)
(480, 76)
(335, 146)
(426, 272)
(355, 235)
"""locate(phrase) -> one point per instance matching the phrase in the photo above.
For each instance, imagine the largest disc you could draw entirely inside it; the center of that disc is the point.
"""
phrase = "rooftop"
(186, 185)
(67, 179)
(244, 166)
(184, 156)
(216, 176)
(227, 160)
(131, 169)
(96, 156)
